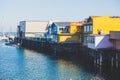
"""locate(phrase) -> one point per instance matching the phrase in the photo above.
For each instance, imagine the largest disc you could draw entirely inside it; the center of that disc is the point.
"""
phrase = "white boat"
(4, 38)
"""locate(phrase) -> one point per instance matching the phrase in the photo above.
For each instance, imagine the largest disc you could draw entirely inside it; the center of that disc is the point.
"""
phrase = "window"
(85, 28)
(91, 40)
(90, 27)
(67, 29)
(85, 39)
(61, 29)
(55, 28)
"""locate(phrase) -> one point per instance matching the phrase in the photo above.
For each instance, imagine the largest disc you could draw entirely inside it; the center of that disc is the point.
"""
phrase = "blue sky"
(13, 11)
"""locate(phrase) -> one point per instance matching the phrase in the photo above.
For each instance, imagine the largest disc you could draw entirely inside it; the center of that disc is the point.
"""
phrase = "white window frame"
(90, 27)
(85, 28)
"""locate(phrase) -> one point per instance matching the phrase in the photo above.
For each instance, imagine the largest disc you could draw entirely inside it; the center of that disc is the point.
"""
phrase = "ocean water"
(23, 64)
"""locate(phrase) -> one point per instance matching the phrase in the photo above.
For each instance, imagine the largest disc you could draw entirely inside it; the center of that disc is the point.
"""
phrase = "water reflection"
(22, 64)
(73, 72)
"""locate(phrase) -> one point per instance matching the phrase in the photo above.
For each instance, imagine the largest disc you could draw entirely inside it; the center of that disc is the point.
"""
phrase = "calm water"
(23, 64)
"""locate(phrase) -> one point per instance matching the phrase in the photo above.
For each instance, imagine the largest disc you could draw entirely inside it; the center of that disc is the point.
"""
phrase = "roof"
(77, 23)
(97, 35)
(90, 18)
(114, 16)
(62, 23)
(33, 21)
(94, 16)
(34, 26)
(87, 23)
(58, 24)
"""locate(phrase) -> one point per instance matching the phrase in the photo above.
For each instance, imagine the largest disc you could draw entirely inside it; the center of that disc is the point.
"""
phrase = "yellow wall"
(106, 24)
(74, 29)
(72, 35)
(64, 38)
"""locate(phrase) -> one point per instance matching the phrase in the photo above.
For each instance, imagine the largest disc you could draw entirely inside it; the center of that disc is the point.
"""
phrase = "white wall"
(30, 35)
(101, 41)
(30, 28)
(36, 26)
(98, 40)
(91, 45)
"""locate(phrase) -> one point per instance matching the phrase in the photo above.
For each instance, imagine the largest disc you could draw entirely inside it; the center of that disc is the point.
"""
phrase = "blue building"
(54, 29)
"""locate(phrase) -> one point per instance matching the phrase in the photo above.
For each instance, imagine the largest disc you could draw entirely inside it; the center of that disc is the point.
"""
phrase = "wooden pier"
(76, 51)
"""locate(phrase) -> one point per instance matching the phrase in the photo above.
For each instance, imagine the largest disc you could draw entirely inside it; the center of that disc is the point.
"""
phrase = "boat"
(4, 38)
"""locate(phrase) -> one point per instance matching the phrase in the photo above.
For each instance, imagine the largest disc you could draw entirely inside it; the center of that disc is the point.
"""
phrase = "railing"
(39, 39)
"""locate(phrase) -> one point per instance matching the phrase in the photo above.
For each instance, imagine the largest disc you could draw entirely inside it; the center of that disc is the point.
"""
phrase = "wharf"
(51, 47)
(76, 51)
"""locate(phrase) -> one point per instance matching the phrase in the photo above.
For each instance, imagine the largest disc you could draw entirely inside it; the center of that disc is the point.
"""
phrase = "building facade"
(100, 25)
(115, 38)
(66, 31)
(99, 42)
(32, 29)
(56, 29)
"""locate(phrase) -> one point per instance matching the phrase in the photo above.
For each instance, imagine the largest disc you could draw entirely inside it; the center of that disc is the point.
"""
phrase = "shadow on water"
(106, 71)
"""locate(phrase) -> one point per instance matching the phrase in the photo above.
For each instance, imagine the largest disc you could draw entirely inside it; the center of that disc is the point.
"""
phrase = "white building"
(99, 41)
(32, 28)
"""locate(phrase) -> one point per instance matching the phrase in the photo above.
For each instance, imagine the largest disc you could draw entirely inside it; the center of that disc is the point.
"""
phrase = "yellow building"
(68, 38)
(100, 25)
(75, 27)
(73, 33)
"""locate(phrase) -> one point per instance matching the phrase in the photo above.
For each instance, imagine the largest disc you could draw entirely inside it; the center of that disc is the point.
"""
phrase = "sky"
(13, 11)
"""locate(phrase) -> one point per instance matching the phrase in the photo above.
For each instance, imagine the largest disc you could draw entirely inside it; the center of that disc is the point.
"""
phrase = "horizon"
(43, 10)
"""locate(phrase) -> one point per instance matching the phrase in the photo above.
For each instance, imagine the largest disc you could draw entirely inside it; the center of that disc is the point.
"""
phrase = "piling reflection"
(23, 64)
